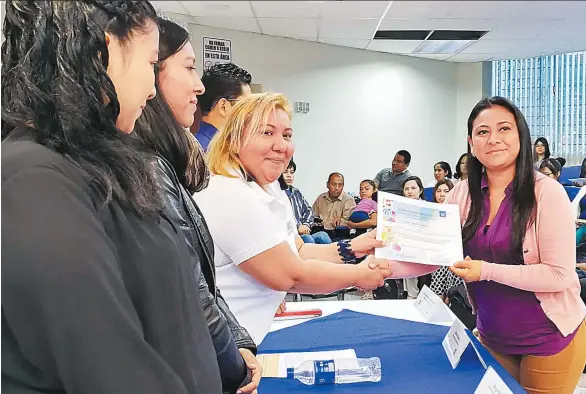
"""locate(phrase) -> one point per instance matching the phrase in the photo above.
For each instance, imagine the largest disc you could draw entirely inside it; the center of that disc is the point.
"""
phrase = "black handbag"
(460, 306)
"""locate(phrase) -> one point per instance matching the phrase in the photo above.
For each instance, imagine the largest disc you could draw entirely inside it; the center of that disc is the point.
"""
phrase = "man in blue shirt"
(302, 210)
(224, 84)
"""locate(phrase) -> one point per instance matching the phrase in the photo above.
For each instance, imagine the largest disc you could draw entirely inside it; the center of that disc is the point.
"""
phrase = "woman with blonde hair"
(259, 255)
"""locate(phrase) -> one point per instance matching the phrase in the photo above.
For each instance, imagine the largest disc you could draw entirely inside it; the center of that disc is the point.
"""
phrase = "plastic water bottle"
(337, 371)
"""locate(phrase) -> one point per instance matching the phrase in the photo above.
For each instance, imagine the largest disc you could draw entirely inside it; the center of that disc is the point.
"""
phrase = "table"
(413, 360)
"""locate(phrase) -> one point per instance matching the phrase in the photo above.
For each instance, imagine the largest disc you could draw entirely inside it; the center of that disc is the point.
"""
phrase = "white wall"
(364, 105)
(469, 92)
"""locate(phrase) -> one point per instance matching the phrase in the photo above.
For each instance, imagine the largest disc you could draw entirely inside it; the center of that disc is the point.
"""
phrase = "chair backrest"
(569, 173)
(428, 193)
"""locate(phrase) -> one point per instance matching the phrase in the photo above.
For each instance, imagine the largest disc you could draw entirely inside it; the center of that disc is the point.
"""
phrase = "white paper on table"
(418, 231)
(292, 360)
(492, 383)
(455, 342)
(431, 307)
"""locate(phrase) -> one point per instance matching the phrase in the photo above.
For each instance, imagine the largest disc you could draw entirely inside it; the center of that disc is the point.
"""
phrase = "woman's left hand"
(255, 370)
(366, 243)
(469, 269)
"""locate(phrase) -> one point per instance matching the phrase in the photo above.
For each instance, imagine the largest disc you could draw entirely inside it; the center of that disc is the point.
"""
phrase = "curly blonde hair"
(248, 113)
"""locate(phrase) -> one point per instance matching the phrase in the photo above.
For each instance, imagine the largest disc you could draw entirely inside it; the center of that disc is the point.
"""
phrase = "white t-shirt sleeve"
(241, 224)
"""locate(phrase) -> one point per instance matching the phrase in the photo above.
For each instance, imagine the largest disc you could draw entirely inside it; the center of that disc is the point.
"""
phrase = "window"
(551, 93)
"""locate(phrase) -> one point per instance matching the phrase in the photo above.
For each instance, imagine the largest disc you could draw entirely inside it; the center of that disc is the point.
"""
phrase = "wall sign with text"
(216, 50)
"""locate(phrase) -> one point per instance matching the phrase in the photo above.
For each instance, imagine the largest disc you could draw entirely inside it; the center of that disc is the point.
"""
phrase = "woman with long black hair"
(181, 171)
(518, 234)
(98, 292)
(540, 151)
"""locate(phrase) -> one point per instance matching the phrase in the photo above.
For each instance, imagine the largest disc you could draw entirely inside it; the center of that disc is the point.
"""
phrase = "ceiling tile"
(554, 9)
(353, 9)
(361, 44)
(572, 28)
(169, 6)
(488, 46)
(485, 9)
(516, 29)
(287, 9)
(219, 8)
(290, 27)
(348, 28)
(438, 24)
(474, 57)
(241, 24)
(434, 56)
(419, 9)
(394, 46)
(181, 19)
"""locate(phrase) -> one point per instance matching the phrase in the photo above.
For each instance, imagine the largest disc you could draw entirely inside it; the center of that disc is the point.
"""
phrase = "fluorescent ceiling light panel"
(441, 46)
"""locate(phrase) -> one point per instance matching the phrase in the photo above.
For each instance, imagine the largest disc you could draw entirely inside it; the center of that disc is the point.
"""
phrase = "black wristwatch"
(346, 253)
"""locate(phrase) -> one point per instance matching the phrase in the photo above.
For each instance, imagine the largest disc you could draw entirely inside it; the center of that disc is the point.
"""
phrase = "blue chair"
(568, 173)
(428, 193)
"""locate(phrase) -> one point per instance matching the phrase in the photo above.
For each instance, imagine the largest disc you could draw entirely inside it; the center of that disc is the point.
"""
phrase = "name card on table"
(432, 308)
(456, 342)
(492, 383)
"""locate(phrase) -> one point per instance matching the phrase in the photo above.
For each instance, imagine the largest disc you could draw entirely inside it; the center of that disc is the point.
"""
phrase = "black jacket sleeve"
(222, 324)
(64, 303)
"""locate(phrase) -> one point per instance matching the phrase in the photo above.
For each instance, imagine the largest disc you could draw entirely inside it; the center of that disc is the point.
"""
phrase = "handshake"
(372, 272)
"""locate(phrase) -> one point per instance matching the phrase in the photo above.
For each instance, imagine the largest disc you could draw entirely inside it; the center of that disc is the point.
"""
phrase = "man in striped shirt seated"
(302, 210)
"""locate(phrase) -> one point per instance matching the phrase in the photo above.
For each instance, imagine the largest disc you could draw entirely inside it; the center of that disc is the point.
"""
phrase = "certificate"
(418, 231)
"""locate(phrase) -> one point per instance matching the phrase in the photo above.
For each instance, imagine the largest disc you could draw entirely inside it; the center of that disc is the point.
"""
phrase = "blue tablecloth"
(412, 357)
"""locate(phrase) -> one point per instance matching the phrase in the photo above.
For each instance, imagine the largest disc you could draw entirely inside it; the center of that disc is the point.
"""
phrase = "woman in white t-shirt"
(259, 255)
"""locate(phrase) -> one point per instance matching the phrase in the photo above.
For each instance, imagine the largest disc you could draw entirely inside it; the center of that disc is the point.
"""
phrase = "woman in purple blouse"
(518, 229)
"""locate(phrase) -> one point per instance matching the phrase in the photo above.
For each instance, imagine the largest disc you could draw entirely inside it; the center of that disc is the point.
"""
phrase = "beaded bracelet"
(346, 253)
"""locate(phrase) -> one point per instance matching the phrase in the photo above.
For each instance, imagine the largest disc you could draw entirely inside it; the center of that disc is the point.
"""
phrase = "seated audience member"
(443, 279)
(364, 214)
(540, 152)
(461, 172)
(302, 210)
(391, 180)
(520, 269)
(224, 84)
(552, 167)
(259, 255)
(441, 170)
(441, 190)
(413, 188)
(334, 206)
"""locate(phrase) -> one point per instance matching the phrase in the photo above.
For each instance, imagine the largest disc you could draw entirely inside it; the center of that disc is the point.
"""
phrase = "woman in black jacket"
(98, 295)
(181, 171)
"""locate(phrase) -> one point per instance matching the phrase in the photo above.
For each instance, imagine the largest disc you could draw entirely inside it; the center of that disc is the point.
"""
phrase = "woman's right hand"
(373, 273)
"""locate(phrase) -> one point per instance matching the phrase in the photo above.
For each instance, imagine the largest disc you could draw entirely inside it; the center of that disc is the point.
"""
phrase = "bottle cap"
(290, 373)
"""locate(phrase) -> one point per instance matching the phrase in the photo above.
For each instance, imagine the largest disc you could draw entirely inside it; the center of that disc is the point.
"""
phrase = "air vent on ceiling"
(433, 41)
(401, 34)
(456, 35)
(444, 35)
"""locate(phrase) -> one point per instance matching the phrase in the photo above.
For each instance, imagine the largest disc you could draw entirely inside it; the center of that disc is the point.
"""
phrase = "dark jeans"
(359, 217)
